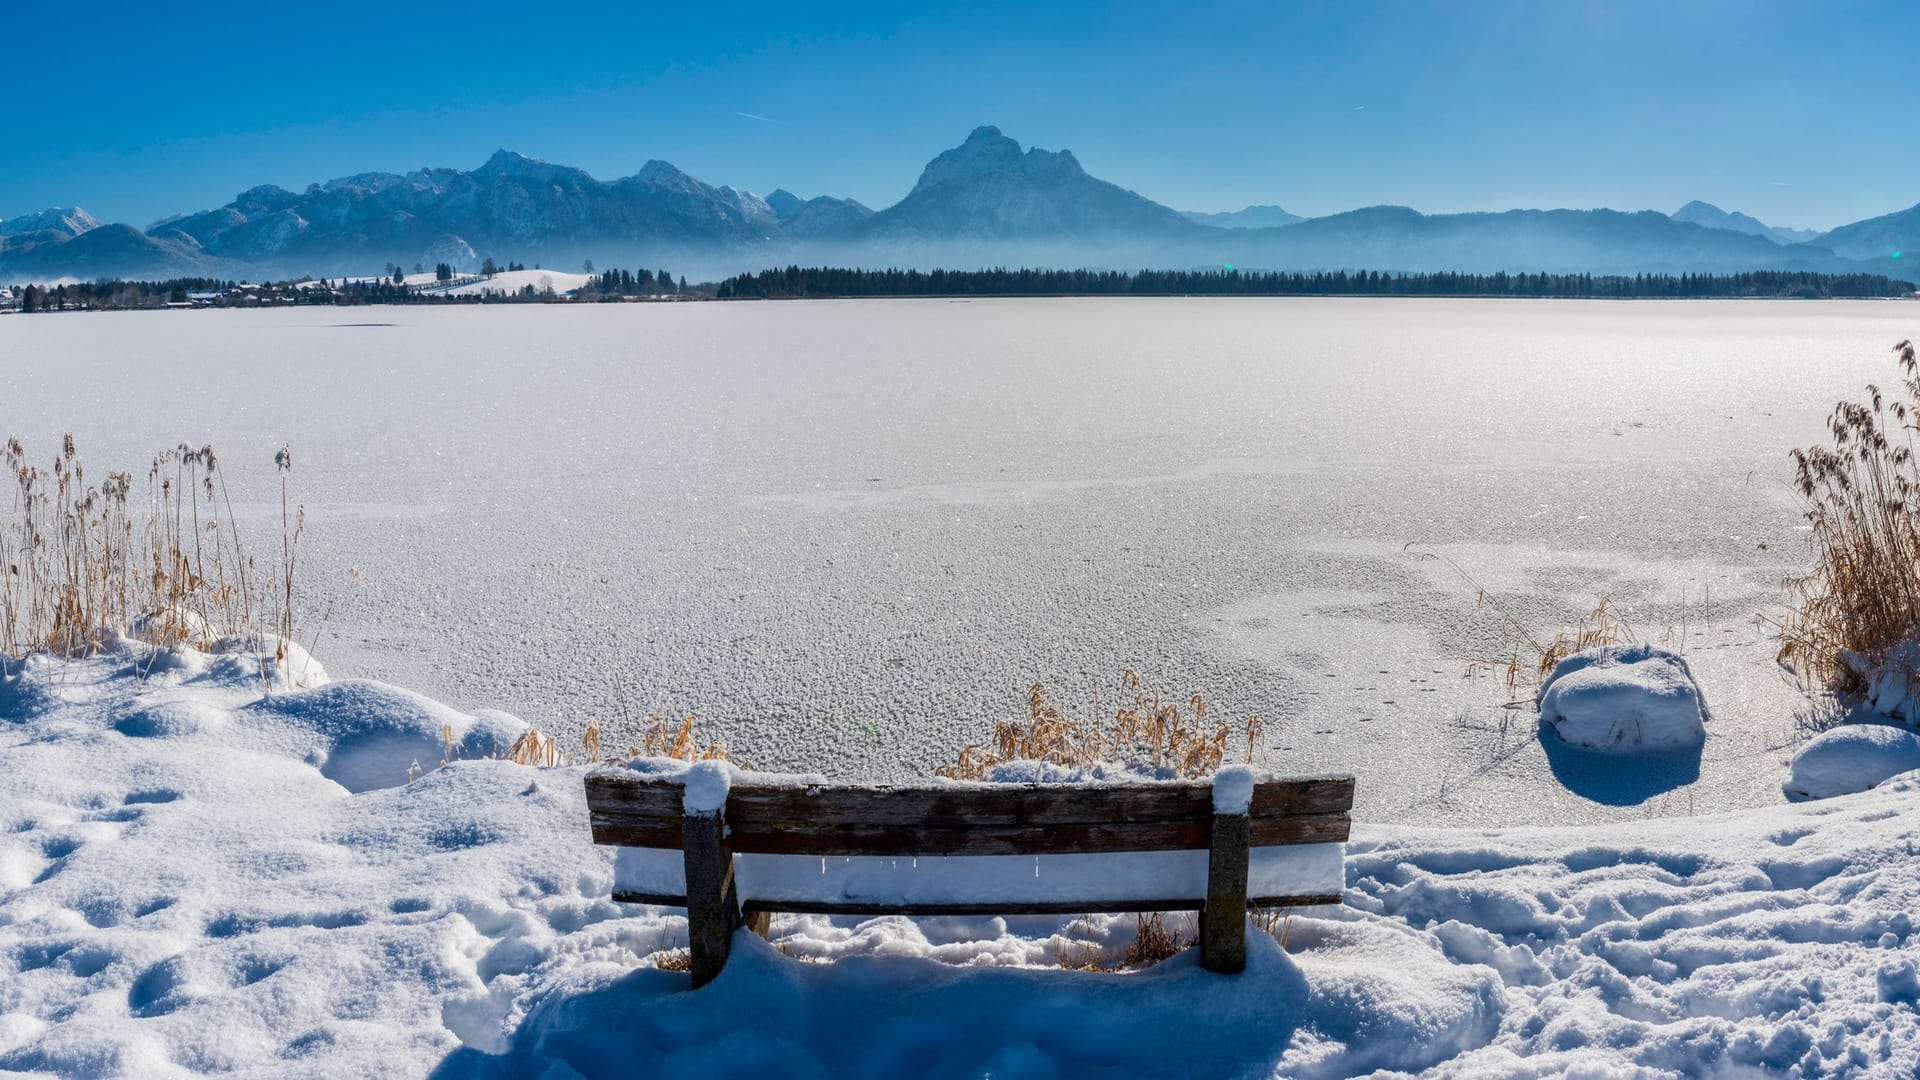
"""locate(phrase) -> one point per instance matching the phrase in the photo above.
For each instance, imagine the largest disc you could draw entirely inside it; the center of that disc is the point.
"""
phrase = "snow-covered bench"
(732, 847)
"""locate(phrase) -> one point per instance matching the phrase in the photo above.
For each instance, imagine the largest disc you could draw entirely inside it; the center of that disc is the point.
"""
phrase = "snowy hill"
(197, 878)
(510, 282)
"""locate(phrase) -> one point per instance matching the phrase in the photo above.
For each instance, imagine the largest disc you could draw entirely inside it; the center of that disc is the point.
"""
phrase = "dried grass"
(79, 559)
(534, 748)
(664, 739)
(673, 960)
(1146, 731)
(1528, 657)
(1861, 498)
(1154, 942)
(1076, 954)
(1273, 922)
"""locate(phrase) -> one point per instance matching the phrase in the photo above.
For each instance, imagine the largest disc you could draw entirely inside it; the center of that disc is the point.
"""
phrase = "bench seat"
(988, 884)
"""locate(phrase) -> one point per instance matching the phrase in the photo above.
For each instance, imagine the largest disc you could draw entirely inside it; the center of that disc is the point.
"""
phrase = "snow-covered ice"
(184, 890)
(847, 536)
(1624, 699)
(1850, 758)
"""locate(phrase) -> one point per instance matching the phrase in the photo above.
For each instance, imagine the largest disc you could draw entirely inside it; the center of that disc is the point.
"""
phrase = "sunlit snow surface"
(847, 536)
(199, 897)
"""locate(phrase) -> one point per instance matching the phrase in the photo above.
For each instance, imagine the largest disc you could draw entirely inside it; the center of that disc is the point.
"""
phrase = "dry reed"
(1527, 655)
(1861, 499)
(664, 739)
(79, 560)
(1147, 731)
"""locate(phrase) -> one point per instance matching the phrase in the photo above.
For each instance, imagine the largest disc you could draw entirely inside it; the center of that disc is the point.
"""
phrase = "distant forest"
(796, 282)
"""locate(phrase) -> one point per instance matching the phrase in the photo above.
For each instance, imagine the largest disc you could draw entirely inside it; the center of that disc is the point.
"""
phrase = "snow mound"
(171, 626)
(364, 735)
(1851, 758)
(1892, 680)
(1624, 699)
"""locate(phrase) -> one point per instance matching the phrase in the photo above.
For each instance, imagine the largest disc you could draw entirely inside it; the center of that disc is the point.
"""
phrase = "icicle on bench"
(732, 847)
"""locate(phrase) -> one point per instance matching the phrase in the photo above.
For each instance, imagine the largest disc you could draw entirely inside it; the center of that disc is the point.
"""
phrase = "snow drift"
(196, 877)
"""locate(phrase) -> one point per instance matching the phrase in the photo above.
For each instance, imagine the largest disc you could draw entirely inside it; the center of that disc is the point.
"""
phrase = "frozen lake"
(848, 535)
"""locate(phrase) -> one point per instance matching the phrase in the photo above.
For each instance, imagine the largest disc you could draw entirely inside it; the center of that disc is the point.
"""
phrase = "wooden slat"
(808, 907)
(806, 838)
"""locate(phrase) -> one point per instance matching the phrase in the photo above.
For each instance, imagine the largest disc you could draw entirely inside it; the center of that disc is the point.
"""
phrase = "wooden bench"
(766, 843)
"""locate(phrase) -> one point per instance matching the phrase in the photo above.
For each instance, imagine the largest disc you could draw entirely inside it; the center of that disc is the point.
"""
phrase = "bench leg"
(1223, 922)
(713, 905)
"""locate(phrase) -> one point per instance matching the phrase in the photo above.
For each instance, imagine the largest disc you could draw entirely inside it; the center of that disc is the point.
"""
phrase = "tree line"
(795, 282)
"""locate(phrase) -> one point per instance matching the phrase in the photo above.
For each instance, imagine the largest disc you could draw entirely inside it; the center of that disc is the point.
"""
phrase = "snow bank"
(185, 891)
(1851, 758)
(1624, 699)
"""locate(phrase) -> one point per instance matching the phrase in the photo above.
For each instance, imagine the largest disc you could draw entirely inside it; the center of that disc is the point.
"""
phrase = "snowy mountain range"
(987, 201)
(1705, 213)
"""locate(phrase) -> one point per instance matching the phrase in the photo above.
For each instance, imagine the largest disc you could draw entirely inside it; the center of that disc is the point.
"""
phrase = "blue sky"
(1802, 114)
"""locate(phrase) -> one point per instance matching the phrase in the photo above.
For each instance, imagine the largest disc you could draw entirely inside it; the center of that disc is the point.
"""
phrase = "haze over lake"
(846, 536)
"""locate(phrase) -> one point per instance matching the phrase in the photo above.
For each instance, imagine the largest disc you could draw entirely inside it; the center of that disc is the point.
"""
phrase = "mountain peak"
(70, 220)
(1709, 216)
(987, 152)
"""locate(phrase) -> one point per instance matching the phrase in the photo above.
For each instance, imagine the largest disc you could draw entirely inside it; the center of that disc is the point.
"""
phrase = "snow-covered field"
(197, 878)
(848, 536)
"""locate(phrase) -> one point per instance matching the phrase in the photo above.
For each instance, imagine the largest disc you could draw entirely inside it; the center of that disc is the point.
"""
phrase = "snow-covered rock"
(1851, 758)
(1624, 699)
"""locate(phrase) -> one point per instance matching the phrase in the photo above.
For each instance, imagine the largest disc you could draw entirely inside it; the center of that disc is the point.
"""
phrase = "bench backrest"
(632, 809)
(1128, 825)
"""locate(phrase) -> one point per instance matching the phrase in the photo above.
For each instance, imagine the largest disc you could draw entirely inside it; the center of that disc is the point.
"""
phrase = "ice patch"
(1624, 699)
